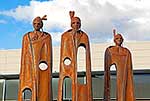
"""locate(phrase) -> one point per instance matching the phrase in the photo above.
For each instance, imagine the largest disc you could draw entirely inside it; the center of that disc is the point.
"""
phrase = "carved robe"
(121, 57)
(31, 76)
(69, 46)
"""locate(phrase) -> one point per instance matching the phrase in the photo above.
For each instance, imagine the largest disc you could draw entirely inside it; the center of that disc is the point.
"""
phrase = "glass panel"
(67, 88)
(141, 82)
(55, 88)
(11, 90)
(113, 86)
(142, 85)
(113, 82)
(98, 86)
(1, 89)
(27, 95)
(82, 80)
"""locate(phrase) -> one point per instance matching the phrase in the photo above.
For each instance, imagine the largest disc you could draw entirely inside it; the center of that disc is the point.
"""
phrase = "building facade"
(10, 67)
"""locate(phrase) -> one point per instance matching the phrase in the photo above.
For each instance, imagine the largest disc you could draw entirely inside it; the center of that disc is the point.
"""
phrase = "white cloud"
(20, 13)
(130, 17)
(56, 36)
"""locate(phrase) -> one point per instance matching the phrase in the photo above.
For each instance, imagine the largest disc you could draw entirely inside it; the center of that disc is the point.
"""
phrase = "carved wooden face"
(75, 23)
(118, 39)
(37, 23)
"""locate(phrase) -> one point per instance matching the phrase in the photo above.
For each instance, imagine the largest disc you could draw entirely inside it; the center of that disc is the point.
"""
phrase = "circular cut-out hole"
(43, 65)
(27, 93)
(67, 61)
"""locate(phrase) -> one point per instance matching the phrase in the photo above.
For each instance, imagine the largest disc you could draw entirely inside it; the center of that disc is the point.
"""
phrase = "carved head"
(75, 21)
(118, 39)
(38, 23)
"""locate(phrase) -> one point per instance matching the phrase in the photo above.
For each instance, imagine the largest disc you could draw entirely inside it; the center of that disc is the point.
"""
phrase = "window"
(2, 84)
(11, 89)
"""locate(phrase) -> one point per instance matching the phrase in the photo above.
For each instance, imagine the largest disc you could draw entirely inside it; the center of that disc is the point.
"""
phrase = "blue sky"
(12, 30)
(99, 17)
(9, 26)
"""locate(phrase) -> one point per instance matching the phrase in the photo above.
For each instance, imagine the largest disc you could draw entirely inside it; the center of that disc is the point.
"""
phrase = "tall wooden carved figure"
(36, 64)
(121, 58)
(70, 41)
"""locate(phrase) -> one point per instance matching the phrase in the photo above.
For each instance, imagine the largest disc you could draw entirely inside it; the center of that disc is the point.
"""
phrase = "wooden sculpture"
(70, 41)
(121, 58)
(36, 63)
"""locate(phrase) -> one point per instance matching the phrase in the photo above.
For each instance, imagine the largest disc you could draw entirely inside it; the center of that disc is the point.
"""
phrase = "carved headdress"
(116, 34)
(72, 17)
(40, 19)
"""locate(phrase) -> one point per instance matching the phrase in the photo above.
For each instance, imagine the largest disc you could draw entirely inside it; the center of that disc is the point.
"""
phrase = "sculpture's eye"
(78, 23)
(73, 22)
(36, 23)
